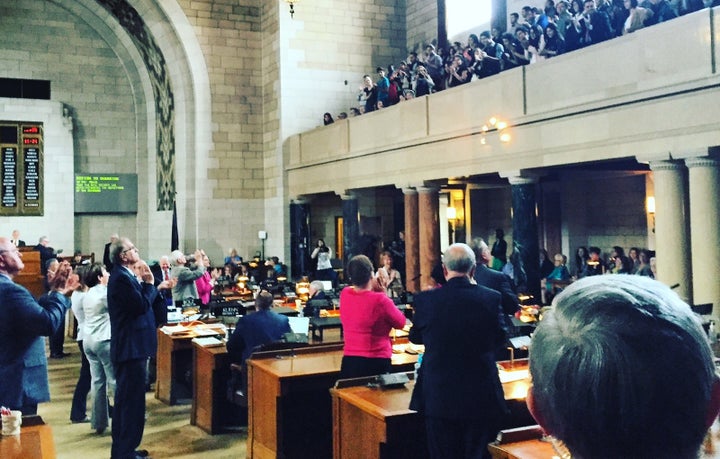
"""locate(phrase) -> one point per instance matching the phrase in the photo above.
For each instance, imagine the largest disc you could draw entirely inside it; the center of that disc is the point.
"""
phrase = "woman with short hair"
(367, 316)
(97, 344)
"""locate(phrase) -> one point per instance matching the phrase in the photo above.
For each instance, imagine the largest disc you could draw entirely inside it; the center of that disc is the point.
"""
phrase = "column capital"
(427, 189)
(301, 199)
(346, 195)
(518, 180)
(666, 165)
(519, 177)
(408, 190)
(703, 161)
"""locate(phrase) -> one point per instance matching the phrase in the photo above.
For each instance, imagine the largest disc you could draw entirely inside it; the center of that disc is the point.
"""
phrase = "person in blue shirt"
(559, 273)
(264, 326)
(383, 86)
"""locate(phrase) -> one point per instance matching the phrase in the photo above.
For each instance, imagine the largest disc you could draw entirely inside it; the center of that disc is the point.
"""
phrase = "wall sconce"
(292, 6)
(451, 213)
(498, 126)
(650, 207)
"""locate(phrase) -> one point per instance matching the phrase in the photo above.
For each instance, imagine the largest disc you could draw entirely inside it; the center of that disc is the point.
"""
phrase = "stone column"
(672, 239)
(351, 226)
(412, 246)
(525, 232)
(428, 233)
(703, 189)
(299, 238)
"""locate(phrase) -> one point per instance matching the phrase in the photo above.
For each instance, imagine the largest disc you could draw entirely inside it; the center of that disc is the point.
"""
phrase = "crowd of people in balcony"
(533, 35)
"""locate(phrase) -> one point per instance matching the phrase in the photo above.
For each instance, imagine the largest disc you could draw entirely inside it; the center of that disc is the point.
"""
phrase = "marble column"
(428, 233)
(703, 189)
(351, 226)
(672, 241)
(525, 232)
(299, 238)
(412, 246)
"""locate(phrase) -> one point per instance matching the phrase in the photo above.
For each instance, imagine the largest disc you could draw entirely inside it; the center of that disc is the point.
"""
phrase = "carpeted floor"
(168, 433)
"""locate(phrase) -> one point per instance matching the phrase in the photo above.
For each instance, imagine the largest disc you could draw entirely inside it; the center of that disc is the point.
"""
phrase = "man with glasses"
(23, 364)
(131, 300)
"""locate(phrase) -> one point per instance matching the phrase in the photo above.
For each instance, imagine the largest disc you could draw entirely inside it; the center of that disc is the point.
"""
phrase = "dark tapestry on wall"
(156, 66)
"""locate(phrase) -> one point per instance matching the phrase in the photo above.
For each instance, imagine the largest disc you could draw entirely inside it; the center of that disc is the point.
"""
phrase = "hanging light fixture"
(495, 125)
(292, 6)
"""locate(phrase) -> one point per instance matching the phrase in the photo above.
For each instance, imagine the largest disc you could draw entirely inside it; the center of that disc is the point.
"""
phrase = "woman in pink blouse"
(367, 316)
(204, 283)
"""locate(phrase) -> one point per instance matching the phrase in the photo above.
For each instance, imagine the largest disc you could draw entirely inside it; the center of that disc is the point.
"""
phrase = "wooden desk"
(211, 372)
(174, 357)
(290, 409)
(530, 445)
(286, 311)
(174, 361)
(526, 449)
(377, 423)
(31, 276)
(34, 442)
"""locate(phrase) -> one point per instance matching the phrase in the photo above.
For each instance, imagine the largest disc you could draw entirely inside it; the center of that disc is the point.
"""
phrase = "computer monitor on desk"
(327, 285)
(299, 325)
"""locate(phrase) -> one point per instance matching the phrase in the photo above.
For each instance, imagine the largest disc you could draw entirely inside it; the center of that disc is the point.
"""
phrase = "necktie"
(166, 274)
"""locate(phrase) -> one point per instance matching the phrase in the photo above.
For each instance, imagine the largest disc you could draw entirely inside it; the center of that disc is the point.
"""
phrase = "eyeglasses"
(129, 249)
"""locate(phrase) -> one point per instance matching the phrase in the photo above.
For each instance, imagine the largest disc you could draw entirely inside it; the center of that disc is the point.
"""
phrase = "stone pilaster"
(429, 233)
(351, 226)
(525, 231)
(412, 247)
(703, 189)
(672, 239)
(299, 238)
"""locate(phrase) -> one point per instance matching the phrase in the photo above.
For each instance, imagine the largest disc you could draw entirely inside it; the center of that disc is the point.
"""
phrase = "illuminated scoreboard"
(21, 148)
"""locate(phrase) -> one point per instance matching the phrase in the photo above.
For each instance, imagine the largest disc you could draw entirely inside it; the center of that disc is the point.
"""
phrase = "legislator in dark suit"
(458, 389)
(23, 365)
(133, 340)
(261, 327)
(499, 282)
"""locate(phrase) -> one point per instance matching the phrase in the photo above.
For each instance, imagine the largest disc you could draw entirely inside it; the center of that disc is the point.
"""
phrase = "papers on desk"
(174, 329)
(217, 328)
(205, 331)
(208, 341)
(510, 376)
(520, 342)
(408, 348)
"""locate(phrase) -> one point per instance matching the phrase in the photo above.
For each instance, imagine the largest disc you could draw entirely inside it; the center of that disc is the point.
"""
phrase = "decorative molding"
(666, 165)
(517, 180)
(704, 161)
(156, 65)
